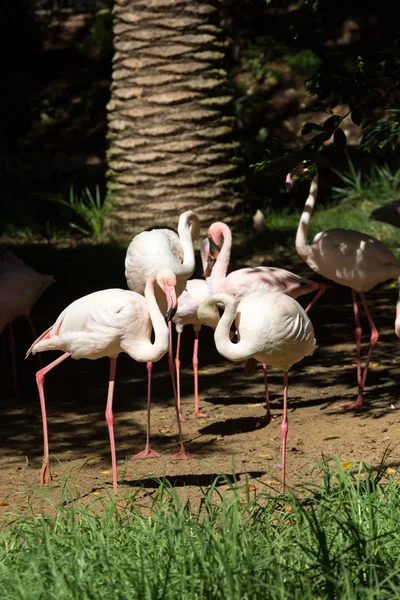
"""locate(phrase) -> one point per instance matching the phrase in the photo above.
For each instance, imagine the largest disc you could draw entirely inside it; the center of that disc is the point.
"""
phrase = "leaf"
(332, 437)
(334, 102)
(4, 503)
(347, 465)
(309, 127)
(356, 116)
(340, 139)
(264, 455)
(256, 405)
(390, 471)
(330, 124)
(361, 425)
(107, 472)
(124, 445)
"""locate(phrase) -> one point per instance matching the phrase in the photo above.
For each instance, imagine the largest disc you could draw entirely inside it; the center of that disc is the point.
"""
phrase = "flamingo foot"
(183, 455)
(45, 474)
(352, 405)
(201, 415)
(146, 453)
(270, 418)
(181, 417)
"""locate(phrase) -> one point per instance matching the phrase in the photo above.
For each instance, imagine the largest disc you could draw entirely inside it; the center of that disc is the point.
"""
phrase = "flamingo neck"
(188, 231)
(397, 322)
(220, 269)
(151, 352)
(233, 352)
(303, 249)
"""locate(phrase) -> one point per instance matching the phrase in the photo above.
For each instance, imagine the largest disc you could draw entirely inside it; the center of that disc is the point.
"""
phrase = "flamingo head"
(293, 175)
(215, 237)
(166, 279)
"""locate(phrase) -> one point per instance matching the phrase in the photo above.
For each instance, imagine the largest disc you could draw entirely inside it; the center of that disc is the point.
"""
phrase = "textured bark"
(171, 139)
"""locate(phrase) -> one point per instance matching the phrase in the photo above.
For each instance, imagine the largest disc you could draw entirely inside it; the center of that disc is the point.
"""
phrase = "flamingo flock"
(253, 311)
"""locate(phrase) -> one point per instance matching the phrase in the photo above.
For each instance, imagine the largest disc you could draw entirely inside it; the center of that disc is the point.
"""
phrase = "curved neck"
(220, 268)
(222, 340)
(153, 352)
(397, 322)
(187, 222)
(302, 230)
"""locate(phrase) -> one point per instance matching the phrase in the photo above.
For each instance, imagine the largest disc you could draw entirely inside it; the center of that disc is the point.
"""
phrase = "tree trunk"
(170, 136)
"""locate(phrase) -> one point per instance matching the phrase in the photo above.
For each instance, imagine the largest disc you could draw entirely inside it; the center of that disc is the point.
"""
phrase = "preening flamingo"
(249, 279)
(152, 250)
(20, 287)
(107, 323)
(351, 258)
(388, 213)
(272, 328)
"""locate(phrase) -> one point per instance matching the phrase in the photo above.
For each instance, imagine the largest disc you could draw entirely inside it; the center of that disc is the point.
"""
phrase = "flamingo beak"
(172, 302)
(289, 182)
(213, 254)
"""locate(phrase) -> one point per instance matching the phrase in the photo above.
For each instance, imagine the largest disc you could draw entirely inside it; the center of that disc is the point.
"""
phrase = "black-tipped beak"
(210, 263)
(214, 249)
(171, 312)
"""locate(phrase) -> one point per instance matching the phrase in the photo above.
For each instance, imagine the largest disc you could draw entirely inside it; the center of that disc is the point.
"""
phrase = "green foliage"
(92, 210)
(378, 186)
(339, 540)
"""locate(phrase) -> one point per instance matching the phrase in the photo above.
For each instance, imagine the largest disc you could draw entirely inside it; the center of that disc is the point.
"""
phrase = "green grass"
(339, 541)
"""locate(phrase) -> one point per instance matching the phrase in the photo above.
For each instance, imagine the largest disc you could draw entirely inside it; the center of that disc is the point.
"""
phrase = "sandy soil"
(234, 439)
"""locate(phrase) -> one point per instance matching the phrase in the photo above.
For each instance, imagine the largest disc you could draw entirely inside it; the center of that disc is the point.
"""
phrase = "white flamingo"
(196, 291)
(249, 279)
(152, 250)
(20, 287)
(107, 323)
(351, 258)
(272, 328)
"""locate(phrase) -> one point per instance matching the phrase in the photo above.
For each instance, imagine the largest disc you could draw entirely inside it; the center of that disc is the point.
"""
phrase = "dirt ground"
(234, 439)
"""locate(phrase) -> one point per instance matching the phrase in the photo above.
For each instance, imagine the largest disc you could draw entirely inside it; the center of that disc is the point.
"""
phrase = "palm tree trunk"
(171, 145)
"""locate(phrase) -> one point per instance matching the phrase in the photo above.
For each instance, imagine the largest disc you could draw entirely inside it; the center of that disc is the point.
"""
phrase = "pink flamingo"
(241, 282)
(351, 258)
(149, 251)
(388, 213)
(272, 328)
(20, 287)
(196, 291)
(107, 323)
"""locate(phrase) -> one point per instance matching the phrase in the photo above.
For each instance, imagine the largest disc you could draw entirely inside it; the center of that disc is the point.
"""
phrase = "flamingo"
(388, 213)
(106, 323)
(272, 328)
(351, 258)
(20, 287)
(162, 247)
(196, 291)
(243, 281)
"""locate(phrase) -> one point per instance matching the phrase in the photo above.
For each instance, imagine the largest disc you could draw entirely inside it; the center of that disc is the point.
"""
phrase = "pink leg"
(357, 335)
(45, 475)
(35, 336)
(321, 290)
(373, 339)
(182, 454)
(269, 416)
(171, 360)
(178, 377)
(147, 452)
(284, 429)
(110, 421)
(13, 359)
(195, 361)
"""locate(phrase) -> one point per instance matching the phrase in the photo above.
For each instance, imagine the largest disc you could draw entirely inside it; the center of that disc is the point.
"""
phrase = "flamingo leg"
(45, 474)
(171, 360)
(178, 377)
(269, 416)
(357, 335)
(195, 362)
(110, 421)
(373, 338)
(182, 454)
(147, 452)
(35, 336)
(13, 360)
(284, 429)
(321, 290)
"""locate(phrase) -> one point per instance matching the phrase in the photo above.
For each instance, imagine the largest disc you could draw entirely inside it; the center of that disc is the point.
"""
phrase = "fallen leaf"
(162, 417)
(95, 494)
(4, 503)
(288, 508)
(264, 455)
(375, 365)
(19, 469)
(274, 482)
(255, 405)
(347, 465)
(361, 424)
(124, 445)
(390, 471)
(251, 487)
(107, 472)
(332, 437)
(164, 430)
